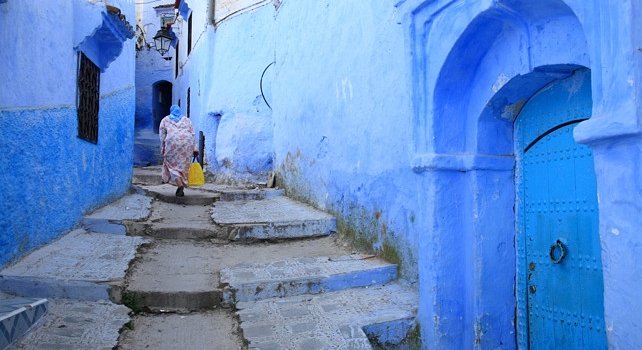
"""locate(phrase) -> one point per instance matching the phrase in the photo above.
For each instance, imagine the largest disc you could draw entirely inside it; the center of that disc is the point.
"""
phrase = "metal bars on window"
(88, 99)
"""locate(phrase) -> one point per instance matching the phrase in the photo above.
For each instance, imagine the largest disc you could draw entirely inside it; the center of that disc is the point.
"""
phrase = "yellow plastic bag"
(195, 177)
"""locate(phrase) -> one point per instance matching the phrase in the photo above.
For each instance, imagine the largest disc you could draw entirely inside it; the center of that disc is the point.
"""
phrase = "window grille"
(88, 99)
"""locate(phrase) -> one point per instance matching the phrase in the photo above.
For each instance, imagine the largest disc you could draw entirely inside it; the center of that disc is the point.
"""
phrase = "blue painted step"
(297, 276)
(18, 316)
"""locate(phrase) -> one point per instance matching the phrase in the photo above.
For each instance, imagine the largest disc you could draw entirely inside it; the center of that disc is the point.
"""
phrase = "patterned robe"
(177, 146)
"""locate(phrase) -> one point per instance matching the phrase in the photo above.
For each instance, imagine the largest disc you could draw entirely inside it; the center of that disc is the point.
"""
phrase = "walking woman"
(177, 146)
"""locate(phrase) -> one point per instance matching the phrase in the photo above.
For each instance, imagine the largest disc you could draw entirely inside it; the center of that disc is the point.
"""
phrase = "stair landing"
(346, 319)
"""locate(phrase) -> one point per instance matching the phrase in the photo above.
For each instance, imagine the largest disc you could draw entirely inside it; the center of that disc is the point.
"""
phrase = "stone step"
(176, 276)
(236, 193)
(176, 221)
(337, 320)
(215, 329)
(113, 218)
(183, 275)
(176, 230)
(74, 324)
(19, 316)
(193, 196)
(79, 265)
(306, 275)
(273, 218)
(148, 176)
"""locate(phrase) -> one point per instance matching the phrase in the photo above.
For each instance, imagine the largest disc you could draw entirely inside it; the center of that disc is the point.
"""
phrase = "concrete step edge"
(283, 230)
(47, 287)
(139, 300)
(315, 284)
(147, 229)
(228, 196)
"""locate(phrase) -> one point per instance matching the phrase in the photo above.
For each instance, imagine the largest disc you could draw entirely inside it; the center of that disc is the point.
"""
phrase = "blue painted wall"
(223, 72)
(50, 177)
(343, 127)
(397, 116)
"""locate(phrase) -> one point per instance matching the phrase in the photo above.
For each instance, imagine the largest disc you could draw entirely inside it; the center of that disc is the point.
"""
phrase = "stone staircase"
(271, 264)
(225, 267)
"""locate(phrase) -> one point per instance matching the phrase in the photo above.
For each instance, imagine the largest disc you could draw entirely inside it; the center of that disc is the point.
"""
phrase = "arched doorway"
(558, 241)
(161, 102)
(503, 56)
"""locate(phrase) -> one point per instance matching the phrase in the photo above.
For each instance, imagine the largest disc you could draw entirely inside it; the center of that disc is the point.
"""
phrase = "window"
(88, 99)
(176, 62)
(166, 18)
(189, 34)
(189, 100)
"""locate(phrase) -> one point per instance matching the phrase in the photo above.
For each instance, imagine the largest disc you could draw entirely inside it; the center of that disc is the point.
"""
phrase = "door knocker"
(557, 252)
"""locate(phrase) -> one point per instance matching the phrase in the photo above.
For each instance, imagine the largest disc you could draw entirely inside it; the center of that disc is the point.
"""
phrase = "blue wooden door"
(561, 269)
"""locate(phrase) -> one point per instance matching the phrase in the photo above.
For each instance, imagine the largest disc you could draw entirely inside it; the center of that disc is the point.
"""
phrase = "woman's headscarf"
(175, 113)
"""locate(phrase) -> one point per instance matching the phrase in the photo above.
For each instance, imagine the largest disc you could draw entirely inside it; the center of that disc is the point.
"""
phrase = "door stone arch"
(506, 54)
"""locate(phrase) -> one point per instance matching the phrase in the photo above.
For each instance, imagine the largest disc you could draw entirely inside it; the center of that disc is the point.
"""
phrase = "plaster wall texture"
(343, 126)
(398, 118)
(52, 177)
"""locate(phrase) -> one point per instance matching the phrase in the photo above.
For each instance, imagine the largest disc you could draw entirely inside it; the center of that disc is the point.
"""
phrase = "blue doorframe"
(560, 284)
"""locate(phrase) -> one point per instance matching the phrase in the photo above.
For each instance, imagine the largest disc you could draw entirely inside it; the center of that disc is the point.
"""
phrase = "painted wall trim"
(461, 162)
(600, 129)
(105, 44)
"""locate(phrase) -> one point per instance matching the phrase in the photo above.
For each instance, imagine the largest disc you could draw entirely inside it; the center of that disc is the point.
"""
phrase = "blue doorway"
(557, 221)
(161, 102)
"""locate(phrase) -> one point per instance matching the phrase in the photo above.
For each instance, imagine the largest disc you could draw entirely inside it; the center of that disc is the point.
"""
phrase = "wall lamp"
(162, 41)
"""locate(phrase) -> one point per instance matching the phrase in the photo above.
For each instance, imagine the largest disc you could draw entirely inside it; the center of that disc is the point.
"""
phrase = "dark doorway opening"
(161, 102)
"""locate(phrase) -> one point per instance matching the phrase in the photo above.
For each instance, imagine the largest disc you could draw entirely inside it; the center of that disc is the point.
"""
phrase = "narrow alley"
(321, 174)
